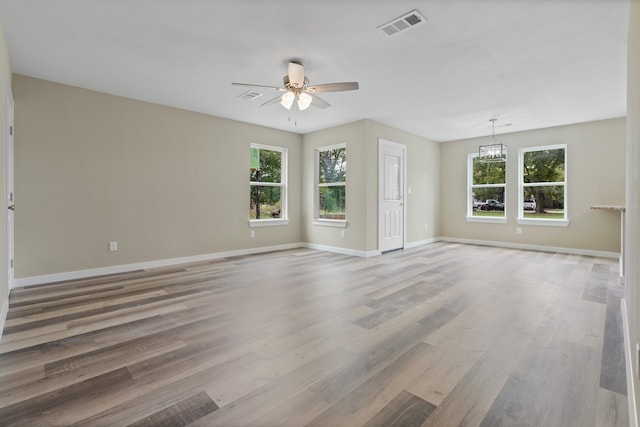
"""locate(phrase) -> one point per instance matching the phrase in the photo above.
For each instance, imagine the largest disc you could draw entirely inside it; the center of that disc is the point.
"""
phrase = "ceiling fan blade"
(282, 89)
(334, 87)
(272, 101)
(319, 102)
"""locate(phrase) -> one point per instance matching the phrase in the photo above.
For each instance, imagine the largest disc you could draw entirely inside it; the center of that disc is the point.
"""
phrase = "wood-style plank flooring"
(441, 335)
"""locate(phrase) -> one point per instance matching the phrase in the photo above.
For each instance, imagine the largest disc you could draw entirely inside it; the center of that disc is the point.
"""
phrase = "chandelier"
(493, 152)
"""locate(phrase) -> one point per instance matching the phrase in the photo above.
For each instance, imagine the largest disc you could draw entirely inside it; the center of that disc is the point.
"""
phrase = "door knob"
(12, 207)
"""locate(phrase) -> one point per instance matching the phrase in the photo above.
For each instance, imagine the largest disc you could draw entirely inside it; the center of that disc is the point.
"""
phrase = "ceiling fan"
(296, 88)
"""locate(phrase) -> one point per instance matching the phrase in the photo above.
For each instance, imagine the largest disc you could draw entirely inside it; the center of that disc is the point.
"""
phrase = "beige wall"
(5, 75)
(423, 177)
(595, 172)
(163, 182)
(632, 290)
(353, 135)
(361, 139)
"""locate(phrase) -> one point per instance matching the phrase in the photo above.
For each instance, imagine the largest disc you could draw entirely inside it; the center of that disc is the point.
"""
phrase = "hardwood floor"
(441, 335)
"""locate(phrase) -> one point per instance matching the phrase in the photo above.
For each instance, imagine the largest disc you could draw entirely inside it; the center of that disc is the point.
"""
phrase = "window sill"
(267, 222)
(330, 222)
(487, 220)
(545, 222)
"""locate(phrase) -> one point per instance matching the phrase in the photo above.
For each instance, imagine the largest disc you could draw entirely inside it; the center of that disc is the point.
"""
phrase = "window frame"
(521, 186)
(316, 197)
(284, 211)
(470, 186)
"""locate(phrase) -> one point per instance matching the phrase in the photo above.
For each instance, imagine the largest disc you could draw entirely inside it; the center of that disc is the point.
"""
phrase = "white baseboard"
(366, 253)
(342, 251)
(3, 315)
(92, 272)
(631, 380)
(421, 243)
(101, 271)
(540, 248)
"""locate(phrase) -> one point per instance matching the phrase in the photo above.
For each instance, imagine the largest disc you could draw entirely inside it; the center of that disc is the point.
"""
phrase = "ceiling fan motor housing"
(295, 87)
(296, 75)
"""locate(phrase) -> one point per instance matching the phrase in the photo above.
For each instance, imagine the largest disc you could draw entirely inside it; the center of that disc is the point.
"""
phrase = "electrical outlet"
(113, 246)
(342, 233)
(253, 234)
(518, 230)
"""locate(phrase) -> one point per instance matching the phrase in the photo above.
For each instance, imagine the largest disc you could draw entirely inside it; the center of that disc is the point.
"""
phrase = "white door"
(391, 178)
(9, 181)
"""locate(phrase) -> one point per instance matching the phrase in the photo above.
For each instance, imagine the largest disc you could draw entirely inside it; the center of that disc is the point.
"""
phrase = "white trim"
(266, 184)
(3, 315)
(544, 222)
(9, 181)
(267, 147)
(509, 245)
(344, 251)
(521, 186)
(283, 184)
(332, 147)
(488, 219)
(332, 184)
(471, 187)
(631, 391)
(317, 184)
(330, 222)
(267, 222)
(382, 143)
(421, 243)
(545, 184)
(81, 274)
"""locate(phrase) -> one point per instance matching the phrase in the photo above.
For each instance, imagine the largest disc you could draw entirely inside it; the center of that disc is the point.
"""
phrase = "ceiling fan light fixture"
(287, 100)
(304, 101)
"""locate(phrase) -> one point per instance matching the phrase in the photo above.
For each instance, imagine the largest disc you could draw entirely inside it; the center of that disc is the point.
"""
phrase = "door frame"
(381, 144)
(9, 180)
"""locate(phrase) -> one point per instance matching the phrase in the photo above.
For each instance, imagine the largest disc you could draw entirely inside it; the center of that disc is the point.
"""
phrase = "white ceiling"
(530, 63)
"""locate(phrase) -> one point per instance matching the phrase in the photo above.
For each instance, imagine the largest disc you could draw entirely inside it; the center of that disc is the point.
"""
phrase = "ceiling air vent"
(407, 20)
(250, 94)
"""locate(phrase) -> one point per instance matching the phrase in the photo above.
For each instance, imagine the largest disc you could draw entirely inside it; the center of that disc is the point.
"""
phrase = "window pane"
(270, 202)
(333, 165)
(488, 173)
(332, 202)
(488, 202)
(544, 166)
(548, 202)
(269, 168)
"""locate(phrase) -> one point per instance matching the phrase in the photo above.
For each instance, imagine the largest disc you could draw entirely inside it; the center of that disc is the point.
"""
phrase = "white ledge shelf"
(610, 207)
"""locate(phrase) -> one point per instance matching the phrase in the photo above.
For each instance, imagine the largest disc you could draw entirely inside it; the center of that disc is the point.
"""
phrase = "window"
(486, 190)
(267, 182)
(331, 176)
(542, 190)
